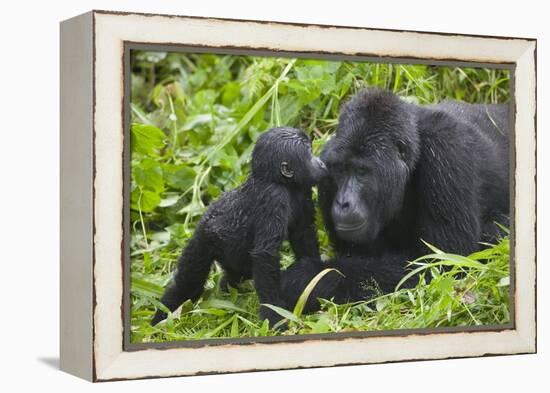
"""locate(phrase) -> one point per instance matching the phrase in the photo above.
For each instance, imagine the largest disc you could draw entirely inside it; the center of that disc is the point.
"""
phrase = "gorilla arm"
(303, 233)
(269, 233)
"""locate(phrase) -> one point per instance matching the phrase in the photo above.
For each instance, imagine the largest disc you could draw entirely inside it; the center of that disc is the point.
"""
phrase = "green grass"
(194, 122)
(472, 291)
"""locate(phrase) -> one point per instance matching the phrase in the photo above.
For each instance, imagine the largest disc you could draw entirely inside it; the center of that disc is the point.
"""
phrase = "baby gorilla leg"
(189, 279)
(266, 274)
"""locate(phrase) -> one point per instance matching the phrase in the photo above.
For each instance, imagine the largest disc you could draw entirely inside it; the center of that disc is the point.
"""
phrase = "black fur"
(400, 173)
(244, 229)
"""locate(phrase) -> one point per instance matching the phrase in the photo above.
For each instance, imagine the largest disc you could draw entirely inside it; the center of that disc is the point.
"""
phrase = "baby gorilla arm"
(303, 235)
(268, 239)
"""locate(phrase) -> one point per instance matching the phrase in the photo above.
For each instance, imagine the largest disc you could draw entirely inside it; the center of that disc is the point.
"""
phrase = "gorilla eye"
(401, 150)
(362, 171)
(286, 170)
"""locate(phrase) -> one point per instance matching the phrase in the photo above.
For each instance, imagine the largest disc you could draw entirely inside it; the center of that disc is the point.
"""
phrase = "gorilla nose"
(349, 212)
(342, 204)
(343, 212)
(347, 216)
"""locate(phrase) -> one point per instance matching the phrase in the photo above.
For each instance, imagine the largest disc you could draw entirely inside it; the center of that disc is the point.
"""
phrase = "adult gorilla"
(399, 174)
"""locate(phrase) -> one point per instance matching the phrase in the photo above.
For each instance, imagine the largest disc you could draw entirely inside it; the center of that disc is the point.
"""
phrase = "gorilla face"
(369, 161)
(368, 188)
(284, 155)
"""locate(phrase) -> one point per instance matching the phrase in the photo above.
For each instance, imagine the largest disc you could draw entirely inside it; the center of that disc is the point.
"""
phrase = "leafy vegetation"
(194, 122)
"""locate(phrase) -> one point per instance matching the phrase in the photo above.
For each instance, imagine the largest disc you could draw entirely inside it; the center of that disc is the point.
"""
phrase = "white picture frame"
(93, 276)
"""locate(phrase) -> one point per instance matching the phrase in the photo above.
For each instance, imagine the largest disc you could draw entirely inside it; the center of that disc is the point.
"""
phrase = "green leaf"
(222, 304)
(289, 109)
(203, 100)
(158, 92)
(431, 247)
(148, 175)
(327, 84)
(210, 311)
(282, 312)
(451, 260)
(322, 325)
(170, 200)
(445, 285)
(345, 85)
(296, 85)
(213, 190)
(213, 333)
(146, 287)
(381, 304)
(235, 328)
(180, 177)
(146, 139)
(264, 328)
(144, 200)
(225, 159)
(163, 237)
(196, 120)
(231, 92)
(177, 231)
(445, 260)
(486, 254)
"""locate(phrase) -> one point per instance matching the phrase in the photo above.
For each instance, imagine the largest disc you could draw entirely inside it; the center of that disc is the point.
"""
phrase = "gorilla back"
(491, 124)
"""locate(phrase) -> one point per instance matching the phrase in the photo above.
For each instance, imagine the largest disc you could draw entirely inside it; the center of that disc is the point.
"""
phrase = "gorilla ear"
(286, 170)
(402, 149)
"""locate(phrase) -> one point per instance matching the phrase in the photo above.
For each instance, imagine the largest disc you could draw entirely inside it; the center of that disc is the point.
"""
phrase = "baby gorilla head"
(370, 158)
(283, 155)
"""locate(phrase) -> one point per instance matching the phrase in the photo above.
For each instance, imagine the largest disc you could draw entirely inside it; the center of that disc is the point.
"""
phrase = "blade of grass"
(283, 313)
(300, 304)
(147, 287)
(249, 115)
(220, 327)
(223, 304)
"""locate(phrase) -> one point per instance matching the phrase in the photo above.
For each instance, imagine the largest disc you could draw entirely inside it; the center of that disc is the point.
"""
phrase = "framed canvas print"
(244, 195)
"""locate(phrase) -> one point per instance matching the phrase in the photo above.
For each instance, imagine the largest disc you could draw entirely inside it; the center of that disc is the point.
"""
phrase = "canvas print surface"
(278, 196)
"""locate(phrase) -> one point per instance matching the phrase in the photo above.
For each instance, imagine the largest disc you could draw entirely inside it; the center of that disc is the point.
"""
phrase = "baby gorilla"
(244, 229)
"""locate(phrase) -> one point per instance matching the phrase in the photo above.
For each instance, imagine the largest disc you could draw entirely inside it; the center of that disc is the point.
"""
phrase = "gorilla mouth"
(351, 228)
